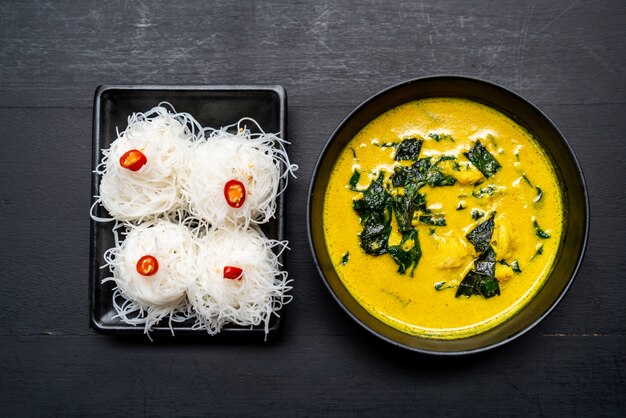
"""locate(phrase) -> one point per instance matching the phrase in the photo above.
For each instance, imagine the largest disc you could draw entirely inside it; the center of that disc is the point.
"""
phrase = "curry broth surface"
(411, 304)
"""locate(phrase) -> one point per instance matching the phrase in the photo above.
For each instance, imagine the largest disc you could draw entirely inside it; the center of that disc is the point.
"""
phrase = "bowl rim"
(576, 164)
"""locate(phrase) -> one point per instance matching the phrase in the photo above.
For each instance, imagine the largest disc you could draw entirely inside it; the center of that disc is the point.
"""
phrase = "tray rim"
(228, 331)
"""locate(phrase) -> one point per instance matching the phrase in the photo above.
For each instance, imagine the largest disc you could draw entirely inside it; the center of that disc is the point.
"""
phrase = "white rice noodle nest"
(164, 137)
(255, 159)
(145, 300)
(248, 301)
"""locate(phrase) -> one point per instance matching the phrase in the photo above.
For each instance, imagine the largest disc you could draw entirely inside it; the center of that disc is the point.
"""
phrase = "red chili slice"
(133, 160)
(147, 265)
(232, 273)
(234, 193)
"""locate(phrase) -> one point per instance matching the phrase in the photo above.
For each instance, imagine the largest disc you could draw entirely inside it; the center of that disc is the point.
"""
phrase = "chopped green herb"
(538, 252)
(485, 191)
(537, 188)
(482, 159)
(432, 231)
(526, 180)
(345, 258)
(540, 233)
(386, 145)
(481, 235)
(354, 180)
(493, 140)
(445, 158)
(440, 137)
(477, 214)
(514, 265)
(409, 257)
(433, 219)
(409, 149)
(445, 285)
(460, 206)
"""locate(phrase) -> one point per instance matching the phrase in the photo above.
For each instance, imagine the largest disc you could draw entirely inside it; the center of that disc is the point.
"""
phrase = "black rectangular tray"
(213, 106)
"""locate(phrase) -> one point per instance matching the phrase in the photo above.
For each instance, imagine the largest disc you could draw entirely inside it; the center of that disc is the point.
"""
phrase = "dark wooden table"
(566, 56)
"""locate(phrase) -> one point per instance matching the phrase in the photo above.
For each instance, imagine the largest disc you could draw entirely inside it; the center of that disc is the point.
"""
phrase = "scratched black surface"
(566, 56)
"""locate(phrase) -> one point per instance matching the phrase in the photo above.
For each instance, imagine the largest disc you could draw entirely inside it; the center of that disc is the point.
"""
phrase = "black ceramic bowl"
(575, 201)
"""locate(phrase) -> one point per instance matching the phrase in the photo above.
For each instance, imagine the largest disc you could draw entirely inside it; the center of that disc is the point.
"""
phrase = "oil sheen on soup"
(443, 217)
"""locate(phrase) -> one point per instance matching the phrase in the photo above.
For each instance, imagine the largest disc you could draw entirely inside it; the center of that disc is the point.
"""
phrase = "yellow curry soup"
(521, 199)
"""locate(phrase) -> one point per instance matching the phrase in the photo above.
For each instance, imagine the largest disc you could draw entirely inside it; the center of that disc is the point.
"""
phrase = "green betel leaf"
(430, 173)
(376, 197)
(486, 263)
(441, 137)
(487, 286)
(436, 178)
(482, 159)
(409, 149)
(467, 285)
(405, 204)
(375, 235)
(407, 255)
(400, 176)
(478, 284)
(423, 171)
(375, 209)
(403, 208)
(403, 176)
(481, 235)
